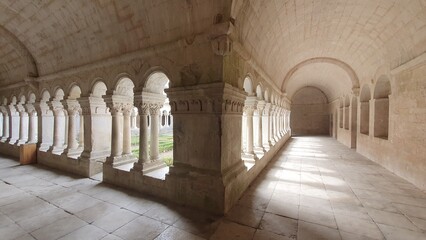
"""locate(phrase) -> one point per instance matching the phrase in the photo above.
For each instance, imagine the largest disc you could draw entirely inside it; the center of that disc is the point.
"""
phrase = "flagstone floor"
(315, 188)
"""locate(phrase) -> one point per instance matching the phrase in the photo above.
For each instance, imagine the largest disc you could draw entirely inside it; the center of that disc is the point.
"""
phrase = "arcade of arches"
(189, 101)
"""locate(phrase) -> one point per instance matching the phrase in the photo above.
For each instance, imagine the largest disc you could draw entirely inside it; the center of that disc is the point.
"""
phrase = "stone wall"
(309, 113)
(403, 152)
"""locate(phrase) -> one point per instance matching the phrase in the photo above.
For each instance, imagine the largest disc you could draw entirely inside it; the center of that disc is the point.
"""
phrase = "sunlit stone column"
(81, 132)
(259, 141)
(133, 119)
(117, 132)
(5, 126)
(45, 125)
(23, 127)
(32, 123)
(58, 130)
(272, 119)
(267, 130)
(143, 137)
(155, 130)
(127, 131)
(72, 130)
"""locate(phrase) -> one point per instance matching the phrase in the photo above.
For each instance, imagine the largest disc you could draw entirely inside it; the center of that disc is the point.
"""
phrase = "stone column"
(81, 132)
(141, 165)
(127, 131)
(72, 130)
(13, 124)
(45, 126)
(23, 127)
(5, 134)
(58, 127)
(267, 121)
(155, 130)
(259, 140)
(97, 133)
(116, 132)
(32, 123)
(249, 108)
(133, 119)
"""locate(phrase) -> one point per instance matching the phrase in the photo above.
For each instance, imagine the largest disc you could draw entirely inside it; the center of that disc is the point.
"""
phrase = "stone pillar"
(143, 162)
(154, 111)
(23, 127)
(116, 133)
(249, 108)
(5, 126)
(32, 126)
(127, 131)
(13, 124)
(259, 140)
(207, 147)
(267, 121)
(72, 130)
(45, 126)
(272, 124)
(81, 132)
(133, 117)
(97, 131)
(58, 131)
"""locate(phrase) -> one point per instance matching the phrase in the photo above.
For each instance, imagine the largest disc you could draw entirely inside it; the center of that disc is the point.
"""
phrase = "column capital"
(143, 108)
(154, 108)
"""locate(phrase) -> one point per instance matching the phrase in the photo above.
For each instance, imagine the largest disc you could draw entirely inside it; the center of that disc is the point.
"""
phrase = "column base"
(148, 166)
(121, 160)
(249, 157)
(20, 142)
(56, 150)
(259, 150)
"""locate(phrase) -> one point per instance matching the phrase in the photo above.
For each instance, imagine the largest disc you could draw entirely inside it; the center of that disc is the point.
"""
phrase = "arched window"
(381, 108)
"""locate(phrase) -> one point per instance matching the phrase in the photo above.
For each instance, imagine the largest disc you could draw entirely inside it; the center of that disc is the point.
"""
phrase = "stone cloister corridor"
(214, 119)
(315, 188)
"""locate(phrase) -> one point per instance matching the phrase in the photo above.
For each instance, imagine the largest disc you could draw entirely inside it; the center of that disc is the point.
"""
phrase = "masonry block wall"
(309, 113)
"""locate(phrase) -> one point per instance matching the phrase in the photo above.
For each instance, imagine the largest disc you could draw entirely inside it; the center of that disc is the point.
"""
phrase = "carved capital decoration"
(154, 108)
(144, 109)
(222, 45)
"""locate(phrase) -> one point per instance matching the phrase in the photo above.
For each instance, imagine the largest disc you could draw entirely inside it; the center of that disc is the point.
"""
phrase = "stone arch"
(248, 85)
(157, 65)
(32, 97)
(351, 73)
(365, 95)
(266, 95)
(156, 82)
(45, 95)
(259, 92)
(382, 88)
(124, 87)
(13, 100)
(74, 92)
(99, 89)
(59, 94)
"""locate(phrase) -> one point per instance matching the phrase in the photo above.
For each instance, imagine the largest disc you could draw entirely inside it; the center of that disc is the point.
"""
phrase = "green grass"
(165, 145)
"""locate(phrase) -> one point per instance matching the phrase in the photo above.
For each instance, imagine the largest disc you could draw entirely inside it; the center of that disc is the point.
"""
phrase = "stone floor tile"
(177, 234)
(263, 234)
(97, 211)
(283, 209)
(11, 231)
(279, 225)
(88, 232)
(114, 220)
(310, 231)
(141, 228)
(254, 202)
(164, 213)
(392, 219)
(395, 233)
(59, 228)
(354, 236)
(313, 215)
(111, 237)
(245, 216)
(231, 230)
(33, 223)
(420, 223)
(413, 211)
(358, 226)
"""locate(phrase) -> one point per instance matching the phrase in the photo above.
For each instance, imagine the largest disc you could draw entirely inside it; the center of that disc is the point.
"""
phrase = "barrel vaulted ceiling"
(62, 34)
(364, 34)
(337, 40)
